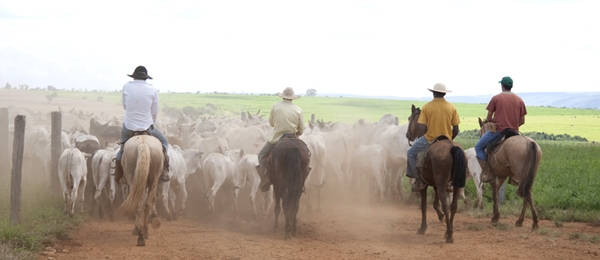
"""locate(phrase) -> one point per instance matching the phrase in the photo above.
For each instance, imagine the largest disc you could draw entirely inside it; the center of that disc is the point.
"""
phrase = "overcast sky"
(383, 48)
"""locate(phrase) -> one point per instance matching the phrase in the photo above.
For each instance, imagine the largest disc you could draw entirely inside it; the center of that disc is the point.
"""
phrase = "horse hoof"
(449, 240)
(421, 231)
(519, 223)
(141, 241)
(535, 226)
(287, 236)
(155, 223)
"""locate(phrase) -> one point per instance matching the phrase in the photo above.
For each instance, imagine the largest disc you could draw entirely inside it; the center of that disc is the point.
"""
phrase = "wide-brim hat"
(288, 93)
(440, 87)
(140, 73)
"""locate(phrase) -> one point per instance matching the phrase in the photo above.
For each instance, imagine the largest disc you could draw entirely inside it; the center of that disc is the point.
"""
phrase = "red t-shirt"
(508, 108)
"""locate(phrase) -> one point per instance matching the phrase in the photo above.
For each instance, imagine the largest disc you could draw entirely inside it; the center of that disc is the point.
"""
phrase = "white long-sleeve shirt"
(140, 101)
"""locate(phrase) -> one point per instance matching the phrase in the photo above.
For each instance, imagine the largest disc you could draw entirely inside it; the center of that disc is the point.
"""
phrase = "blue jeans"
(126, 134)
(482, 144)
(413, 151)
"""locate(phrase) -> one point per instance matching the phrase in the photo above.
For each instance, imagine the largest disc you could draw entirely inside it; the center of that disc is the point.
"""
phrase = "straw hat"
(440, 87)
(288, 93)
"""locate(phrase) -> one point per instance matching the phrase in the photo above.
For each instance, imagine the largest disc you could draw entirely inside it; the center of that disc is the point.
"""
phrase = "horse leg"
(287, 212)
(496, 213)
(534, 214)
(450, 220)
(294, 213)
(277, 210)
(436, 204)
(423, 227)
(519, 222)
(139, 218)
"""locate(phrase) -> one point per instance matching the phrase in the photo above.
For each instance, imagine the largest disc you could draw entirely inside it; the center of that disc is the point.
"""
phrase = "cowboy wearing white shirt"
(140, 101)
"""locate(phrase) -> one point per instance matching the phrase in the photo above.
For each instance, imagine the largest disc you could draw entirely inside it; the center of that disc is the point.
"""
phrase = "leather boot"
(418, 185)
(164, 177)
(265, 182)
(118, 170)
(486, 174)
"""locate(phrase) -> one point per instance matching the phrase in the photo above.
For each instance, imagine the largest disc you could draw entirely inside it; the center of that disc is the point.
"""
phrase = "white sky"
(387, 48)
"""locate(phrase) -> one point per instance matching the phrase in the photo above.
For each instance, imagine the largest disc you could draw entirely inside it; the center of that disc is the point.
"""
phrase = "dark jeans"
(126, 134)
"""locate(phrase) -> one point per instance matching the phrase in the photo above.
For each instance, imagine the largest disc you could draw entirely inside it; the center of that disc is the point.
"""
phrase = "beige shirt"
(285, 118)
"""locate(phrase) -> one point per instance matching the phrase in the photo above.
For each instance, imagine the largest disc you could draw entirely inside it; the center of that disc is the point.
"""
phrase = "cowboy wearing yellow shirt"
(440, 118)
(285, 117)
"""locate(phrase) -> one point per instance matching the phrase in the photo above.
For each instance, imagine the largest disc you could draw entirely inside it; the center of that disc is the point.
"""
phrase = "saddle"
(496, 142)
(423, 153)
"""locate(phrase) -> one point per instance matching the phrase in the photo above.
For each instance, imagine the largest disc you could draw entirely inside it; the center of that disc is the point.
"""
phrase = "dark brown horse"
(445, 161)
(288, 169)
(517, 157)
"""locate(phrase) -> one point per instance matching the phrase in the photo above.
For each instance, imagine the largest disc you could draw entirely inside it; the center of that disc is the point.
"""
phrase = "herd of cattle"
(363, 157)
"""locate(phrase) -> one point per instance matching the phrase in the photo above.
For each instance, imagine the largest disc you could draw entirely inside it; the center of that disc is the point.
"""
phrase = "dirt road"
(341, 231)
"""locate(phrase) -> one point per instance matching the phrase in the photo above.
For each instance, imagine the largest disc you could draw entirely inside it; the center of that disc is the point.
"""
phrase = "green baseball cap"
(506, 81)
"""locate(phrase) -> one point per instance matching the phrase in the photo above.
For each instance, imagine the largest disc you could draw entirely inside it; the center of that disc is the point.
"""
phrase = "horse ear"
(480, 122)
(412, 109)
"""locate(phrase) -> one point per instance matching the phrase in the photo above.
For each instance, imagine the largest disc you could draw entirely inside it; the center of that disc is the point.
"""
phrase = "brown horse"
(142, 166)
(517, 157)
(445, 161)
(288, 169)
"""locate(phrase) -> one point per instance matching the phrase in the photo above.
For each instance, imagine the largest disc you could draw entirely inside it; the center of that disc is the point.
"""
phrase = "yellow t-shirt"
(285, 117)
(439, 116)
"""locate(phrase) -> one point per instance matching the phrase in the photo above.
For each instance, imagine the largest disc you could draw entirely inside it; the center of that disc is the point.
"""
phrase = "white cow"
(182, 163)
(316, 179)
(246, 173)
(218, 171)
(104, 181)
(72, 171)
(369, 161)
(474, 170)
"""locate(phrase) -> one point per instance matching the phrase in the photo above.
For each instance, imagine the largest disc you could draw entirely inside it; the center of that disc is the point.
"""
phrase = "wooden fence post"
(15, 183)
(55, 150)
(4, 147)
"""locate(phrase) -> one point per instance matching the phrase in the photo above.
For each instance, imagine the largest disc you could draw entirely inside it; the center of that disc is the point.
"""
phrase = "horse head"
(414, 130)
(486, 126)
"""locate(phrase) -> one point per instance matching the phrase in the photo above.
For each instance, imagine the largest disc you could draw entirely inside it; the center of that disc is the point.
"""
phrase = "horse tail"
(293, 173)
(459, 167)
(140, 177)
(524, 188)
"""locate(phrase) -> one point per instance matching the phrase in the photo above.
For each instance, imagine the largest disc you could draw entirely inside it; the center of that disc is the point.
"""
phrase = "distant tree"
(51, 97)
(51, 88)
(7, 86)
(311, 92)
(23, 87)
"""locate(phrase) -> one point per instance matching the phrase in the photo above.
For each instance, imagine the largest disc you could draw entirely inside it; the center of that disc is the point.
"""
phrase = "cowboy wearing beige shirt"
(285, 118)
